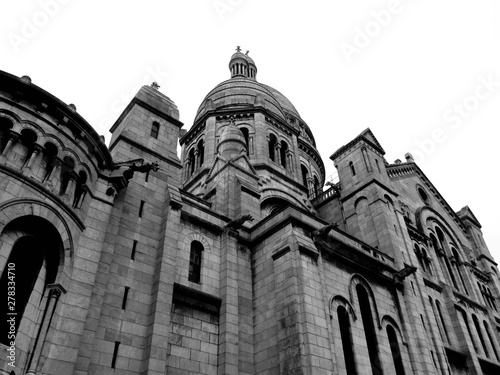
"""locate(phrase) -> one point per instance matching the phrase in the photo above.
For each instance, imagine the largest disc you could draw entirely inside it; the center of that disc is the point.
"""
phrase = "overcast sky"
(423, 75)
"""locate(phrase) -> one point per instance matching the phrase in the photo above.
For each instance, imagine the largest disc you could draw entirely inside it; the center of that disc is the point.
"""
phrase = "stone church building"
(234, 258)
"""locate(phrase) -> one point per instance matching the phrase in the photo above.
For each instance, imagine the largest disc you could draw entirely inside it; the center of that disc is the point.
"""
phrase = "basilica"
(234, 257)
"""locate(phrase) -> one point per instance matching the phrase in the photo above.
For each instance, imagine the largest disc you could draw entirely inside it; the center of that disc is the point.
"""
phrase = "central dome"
(242, 91)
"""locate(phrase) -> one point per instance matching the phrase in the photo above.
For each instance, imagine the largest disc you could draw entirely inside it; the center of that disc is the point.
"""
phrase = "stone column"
(277, 152)
(52, 180)
(69, 194)
(196, 159)
(13, 137)
(55, 291)
(187, 166)
(27, 168)
(310, 187)
(228, 323)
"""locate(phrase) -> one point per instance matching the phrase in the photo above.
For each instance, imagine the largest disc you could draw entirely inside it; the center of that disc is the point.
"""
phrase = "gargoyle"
(238, 223)
(322, 232)
(321, 239)
(399, 276)
(145, 167)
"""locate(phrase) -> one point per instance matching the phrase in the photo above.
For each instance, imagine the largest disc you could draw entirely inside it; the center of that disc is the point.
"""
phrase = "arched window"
(466, 321)
(347, 344)
(201, 153)
(479, 333)
(441, 318)
(283, 152)
(66, 168)
(155, 129)
(457, 267)
(80, 189)
(369, 328)
(28, 139)
(5, 126)
(492, 343)
(272, 147)
(351, 166)
(395, 350)
(446, 260)
(191, 159)
(317, 187)
(426, 260)
(195, 262)
(49, 155)
(246, 134)
(305, 175)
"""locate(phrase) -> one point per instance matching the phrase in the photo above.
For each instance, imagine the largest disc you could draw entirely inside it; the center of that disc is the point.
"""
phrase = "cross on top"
(238, 49)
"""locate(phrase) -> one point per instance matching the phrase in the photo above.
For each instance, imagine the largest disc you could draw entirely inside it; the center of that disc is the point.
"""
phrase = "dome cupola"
(242, 65)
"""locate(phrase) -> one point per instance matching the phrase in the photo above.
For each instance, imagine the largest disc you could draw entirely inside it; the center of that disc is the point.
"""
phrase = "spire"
(242, 65)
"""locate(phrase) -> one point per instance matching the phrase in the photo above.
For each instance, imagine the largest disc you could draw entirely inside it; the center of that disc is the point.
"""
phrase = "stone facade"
(233, 258)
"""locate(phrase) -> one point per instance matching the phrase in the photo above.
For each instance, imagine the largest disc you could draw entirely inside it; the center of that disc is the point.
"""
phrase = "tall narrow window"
(305, 175)
(446, 260)
(283, 152)
(441, 318)
(125, 297)
(155, 129)
(317, 187)
(488, 333)
(457, 267)
(201, 153)
(115, 354)
(480, 334)
(134, 248)
(272, 147)
(351, 166)
(195, 262)
(66, 168)
(436, 318)
(191, 161)
(378, 166)
(247, 138)
(347, 345)
(395, 351)
(141, 208)
(369, 328)
(426, 261)
(466, 321)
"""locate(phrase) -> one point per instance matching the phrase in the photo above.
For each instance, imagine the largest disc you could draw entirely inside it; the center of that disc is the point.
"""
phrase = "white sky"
(429, 59)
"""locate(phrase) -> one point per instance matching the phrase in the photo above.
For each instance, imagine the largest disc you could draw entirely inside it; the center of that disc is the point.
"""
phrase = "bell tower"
(367, 193)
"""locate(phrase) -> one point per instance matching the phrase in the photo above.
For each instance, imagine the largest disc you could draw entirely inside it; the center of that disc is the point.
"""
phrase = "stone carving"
(145, 167)
(238, 223)
(399, 276)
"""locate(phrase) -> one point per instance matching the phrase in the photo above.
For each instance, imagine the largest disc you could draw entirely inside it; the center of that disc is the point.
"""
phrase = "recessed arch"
(339, 300)
(16, 208)
(357, 279)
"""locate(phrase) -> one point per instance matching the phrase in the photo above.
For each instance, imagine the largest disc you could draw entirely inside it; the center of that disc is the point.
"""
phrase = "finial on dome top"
(242, 65)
